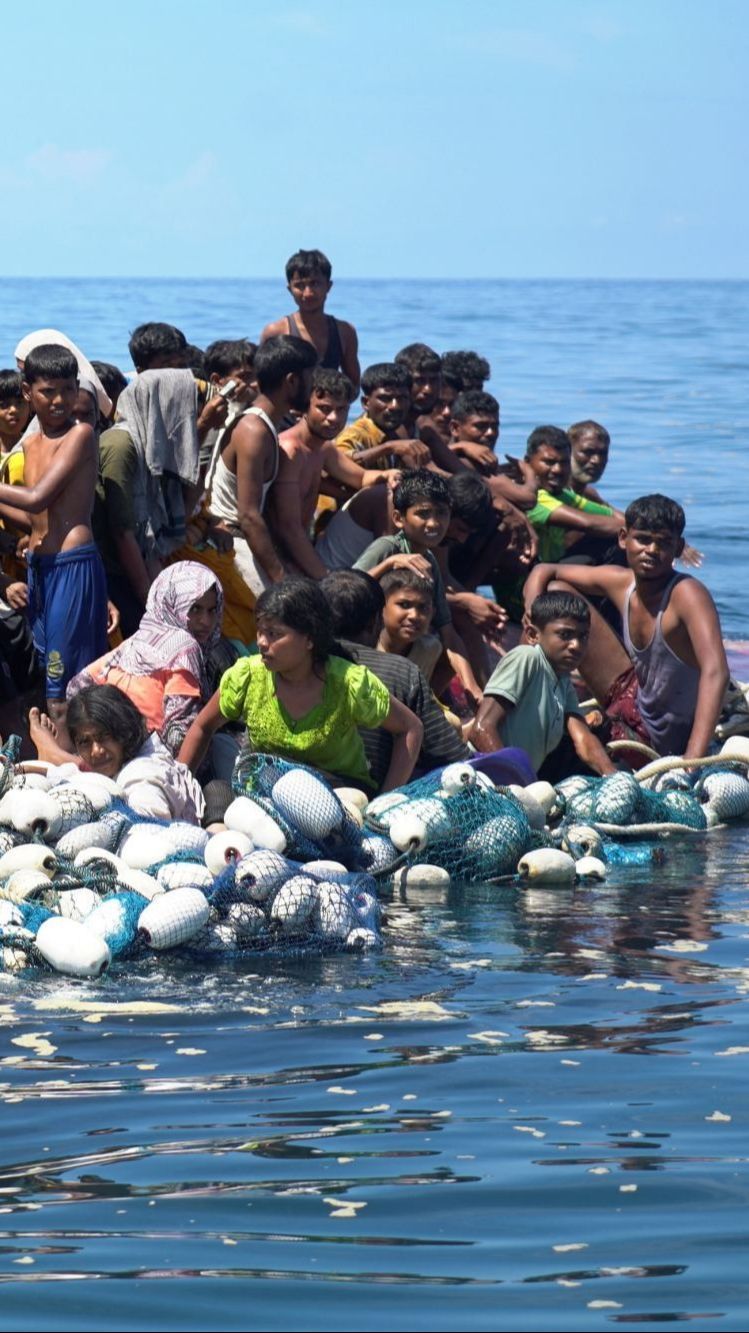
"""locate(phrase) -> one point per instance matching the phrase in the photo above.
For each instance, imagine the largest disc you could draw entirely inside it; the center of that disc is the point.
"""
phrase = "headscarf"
(159, 413)
(162, 640)
(43, 336)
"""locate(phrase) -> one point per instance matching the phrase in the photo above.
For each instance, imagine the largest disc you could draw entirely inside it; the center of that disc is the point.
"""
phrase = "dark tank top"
(667, 687)
(333, 358)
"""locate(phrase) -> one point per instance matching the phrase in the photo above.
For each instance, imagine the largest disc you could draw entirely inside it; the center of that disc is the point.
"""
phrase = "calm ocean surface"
(530, 1110)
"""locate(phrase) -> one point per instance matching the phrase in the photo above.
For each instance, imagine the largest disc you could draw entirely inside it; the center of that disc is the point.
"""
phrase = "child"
(307, 449)
(114, 382)
(421, 515)
(376, 438)
(530, 701)
(300, 701)
(406, 617)
(474, 429)
(561, 516)
(67, 592)
(666, 684)
(309, 280)
(15, 414)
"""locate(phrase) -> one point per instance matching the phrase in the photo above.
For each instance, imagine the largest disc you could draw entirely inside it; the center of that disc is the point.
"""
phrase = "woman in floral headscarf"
(162, 667)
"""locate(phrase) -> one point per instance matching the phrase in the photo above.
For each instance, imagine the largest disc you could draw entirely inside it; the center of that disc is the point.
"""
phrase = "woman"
(301, 701)
(162, 668)
(110, 737)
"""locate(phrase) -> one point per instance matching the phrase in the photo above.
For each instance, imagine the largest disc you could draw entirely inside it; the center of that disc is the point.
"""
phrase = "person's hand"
(521, 537)
(113, 618)
(486, 615)
(691, 556)
(418, 563)
(517, 469)
(22, 545)
(392, 476)
(412, 453)
(214, 413)
(17, 596)
(481, 455)
(221, 538)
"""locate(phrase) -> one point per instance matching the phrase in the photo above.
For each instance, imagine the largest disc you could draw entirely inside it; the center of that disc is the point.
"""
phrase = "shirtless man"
(666, 684)
(308, 449)
(309, 280)
(246, 457)
(67, 593)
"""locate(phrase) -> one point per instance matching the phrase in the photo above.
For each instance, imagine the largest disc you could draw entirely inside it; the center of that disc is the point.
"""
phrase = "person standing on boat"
(309, 280)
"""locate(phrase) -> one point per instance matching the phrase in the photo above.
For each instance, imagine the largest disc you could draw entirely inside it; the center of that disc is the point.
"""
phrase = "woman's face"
(282, 648)
(201, 618)
(99, 750)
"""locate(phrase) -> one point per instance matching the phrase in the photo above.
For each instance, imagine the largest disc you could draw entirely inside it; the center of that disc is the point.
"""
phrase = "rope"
(639, 747)
(621, 832)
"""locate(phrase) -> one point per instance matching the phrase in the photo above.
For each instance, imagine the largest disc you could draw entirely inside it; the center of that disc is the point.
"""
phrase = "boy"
(67, 593)
(474, 429)
(561, 516)
(530, 701)
(406, 617)
(306, 449)
(157, 347)
(667, 683)
(309, 280)
(375, 439)
(421, 516)
(15, 415)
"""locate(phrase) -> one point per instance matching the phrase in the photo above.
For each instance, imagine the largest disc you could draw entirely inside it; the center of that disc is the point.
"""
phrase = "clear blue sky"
(407, 138)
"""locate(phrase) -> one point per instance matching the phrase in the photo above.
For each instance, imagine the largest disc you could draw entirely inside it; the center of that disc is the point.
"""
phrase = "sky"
(406, 138)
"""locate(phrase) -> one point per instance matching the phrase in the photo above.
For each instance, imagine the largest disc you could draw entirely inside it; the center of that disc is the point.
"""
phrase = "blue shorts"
(68, 613)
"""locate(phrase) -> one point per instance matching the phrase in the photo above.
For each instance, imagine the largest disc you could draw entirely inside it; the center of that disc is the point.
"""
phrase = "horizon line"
(212, 277)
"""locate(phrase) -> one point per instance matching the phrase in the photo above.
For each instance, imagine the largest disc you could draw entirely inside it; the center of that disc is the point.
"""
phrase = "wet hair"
(10, 386)
(558, 606)
(553, 437)
(50, 362)
(581, 428)
(385, 375)
(309, 264)
(228, 354)
(301, 604)
(112, 379)
(419, 484)
(474, 403)
(106, 707)
(354, 598)
(419, 359)
(281, 356)
(464, 369)
(333, 383)
(470, 498)
(195, 360)
(396, 579)
(655, 513)
(150, 341)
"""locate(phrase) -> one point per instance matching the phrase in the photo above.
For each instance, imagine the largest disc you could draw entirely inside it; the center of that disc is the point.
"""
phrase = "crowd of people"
(206, 555)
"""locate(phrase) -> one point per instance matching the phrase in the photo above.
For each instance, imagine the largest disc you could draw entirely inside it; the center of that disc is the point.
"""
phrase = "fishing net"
(314, 821)
(620, 800)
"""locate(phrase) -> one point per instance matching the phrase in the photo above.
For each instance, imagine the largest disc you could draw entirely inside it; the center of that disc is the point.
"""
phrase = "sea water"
(529, 1110)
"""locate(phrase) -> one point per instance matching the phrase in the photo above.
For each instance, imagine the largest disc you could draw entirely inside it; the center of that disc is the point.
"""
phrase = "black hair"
(553, 437)
(334, 383)
(558, 606)
(153, 340)
(354, 598)
(228, 354)
(10, 386)
(470, 498)
(195, 360)
(419, 359)
(50, 362)
(309, 264)
(281, 356)
(466, 370)
(301, 604)
(655, 513)
(395, 579)
(474, 403)
(581, 428)
(385, 375)
(419, 484)
(112, 379)
(112, 712)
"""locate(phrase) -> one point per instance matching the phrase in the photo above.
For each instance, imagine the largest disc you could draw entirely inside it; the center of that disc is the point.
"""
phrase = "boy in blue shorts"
(67, 592)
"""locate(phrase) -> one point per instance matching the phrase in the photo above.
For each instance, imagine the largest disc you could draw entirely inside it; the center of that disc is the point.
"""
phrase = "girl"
(301, 701)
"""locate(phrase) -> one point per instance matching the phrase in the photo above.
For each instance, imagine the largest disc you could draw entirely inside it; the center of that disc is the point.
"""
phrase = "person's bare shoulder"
(691, 597)
(346, 330)
(273, 329)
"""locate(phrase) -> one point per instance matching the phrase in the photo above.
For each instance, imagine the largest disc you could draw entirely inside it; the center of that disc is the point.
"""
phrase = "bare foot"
(43, 734)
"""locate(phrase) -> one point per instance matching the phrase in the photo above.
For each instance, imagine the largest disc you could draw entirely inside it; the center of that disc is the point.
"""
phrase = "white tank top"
(221, 483)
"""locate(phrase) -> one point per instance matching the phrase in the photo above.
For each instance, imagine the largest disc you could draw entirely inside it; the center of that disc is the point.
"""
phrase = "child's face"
(309, 293)
(84, 409)
(552, 467)
(14, 418)
(589, 459)
(477, 429)
(650, 554)
(99, 750)
(52, 401)
(407, 615)
(425, 523)
(326, 416)
(282, 648)
(244, 378)
(425, 387)
(387, 407)
(564, 642)
(201, 618)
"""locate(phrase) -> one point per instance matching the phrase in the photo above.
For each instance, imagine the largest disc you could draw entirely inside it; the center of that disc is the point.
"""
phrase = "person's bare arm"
(76, 454)
(133, 564)
(480, 455)
(17, 517)
(410, 453)
(350, 352)
(700, 619)
(458, 659)
(591, 580)
(588, 747)
(418, 563)
(286, 509)
(441, 452)
(485, 732)
(345, 468)
(407, 732)
(251, 443)
(194, 747)
(274, 328)
(607, 525)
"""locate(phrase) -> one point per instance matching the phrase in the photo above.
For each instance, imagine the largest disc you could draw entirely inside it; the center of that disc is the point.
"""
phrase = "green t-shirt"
(326, 737)
(541, 701)
(551, 543)
(382, 547)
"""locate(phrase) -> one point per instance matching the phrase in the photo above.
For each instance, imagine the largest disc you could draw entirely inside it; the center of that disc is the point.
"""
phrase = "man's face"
(441, 413)
(481, 428)
(425, 387)
(589, 459)
(309, 294)
(387, 407)
(301, 388)
(326, 416)
(650, 552)
(552, 467)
